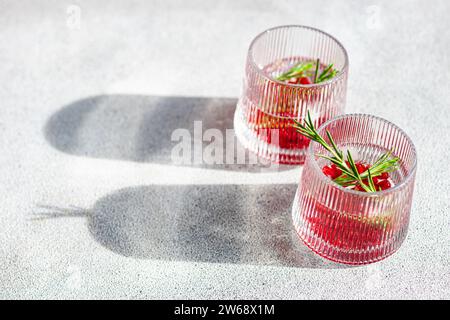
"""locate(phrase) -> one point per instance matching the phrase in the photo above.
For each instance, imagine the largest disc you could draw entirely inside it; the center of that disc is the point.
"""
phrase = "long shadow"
(245, 224)
(139, 128)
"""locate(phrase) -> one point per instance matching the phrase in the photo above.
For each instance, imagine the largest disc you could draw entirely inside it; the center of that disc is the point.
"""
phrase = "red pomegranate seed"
(337, 171)
(380, 182)
(327, 171)
(305, 80)
(384, 184)
(361, 167)
(332, 171)
(384, 175)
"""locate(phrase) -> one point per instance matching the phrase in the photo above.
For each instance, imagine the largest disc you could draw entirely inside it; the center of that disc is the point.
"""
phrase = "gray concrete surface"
(91, 205)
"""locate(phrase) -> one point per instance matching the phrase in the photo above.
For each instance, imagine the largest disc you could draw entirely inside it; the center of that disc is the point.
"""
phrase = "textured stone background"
(91, 205)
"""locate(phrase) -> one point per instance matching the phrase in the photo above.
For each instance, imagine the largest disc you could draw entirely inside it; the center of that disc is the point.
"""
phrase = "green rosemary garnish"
(317, 70)
(296, 71)
(385, 163)
(326, 74)
(301, 68)
(350, 175)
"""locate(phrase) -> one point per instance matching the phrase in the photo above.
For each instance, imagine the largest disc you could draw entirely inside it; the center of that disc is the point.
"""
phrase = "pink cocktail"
(347, 225)
(267, 109)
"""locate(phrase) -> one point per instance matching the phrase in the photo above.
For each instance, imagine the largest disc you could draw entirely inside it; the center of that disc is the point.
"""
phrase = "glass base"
(250, 140)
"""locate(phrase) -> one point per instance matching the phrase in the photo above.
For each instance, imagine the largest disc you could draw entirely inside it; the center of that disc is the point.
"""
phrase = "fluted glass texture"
(350, 226)
(265, 112)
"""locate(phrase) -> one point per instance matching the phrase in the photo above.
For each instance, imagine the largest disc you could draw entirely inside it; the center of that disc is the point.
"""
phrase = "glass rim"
(311, 157)
(312, 85)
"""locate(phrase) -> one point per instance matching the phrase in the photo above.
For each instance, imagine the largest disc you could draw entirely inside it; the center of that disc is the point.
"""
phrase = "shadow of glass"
(245, 224)
(140, 128)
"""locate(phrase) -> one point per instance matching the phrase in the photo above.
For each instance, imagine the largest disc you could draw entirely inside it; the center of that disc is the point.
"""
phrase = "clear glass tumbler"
(350, 226)
(264, 116)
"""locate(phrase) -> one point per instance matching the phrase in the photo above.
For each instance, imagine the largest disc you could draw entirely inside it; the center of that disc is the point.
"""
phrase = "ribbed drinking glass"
(264, 116)
(350, 226)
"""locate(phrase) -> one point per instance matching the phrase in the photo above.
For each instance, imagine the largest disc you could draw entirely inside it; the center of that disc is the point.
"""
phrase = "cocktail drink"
(282, 81)
(343, 222)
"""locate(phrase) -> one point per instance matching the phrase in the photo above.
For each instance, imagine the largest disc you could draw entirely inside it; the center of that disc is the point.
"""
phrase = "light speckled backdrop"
(91, 206)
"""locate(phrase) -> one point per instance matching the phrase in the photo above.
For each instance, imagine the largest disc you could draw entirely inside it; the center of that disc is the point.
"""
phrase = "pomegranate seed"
(384, 184)
(380, 182)
(305, 80)
(337, 171)
(384, 176)
(332, 171)
(361, 167)
(327, 171)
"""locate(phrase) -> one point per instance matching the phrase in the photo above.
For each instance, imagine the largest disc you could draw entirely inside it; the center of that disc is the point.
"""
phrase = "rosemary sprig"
(385, 163)
(301, 68)
(316, 71)
(327, 74)
(295, 71)
(350, 175)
